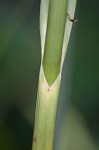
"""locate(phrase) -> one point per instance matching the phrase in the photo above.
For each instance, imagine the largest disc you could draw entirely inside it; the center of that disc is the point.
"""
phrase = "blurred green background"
(78, 109)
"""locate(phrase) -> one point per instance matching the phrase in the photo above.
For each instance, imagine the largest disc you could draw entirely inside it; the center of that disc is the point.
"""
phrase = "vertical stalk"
(55, 33)
(54, 39)
(45, 114)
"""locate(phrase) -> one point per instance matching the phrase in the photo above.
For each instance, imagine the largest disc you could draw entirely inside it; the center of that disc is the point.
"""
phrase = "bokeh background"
(77, 125)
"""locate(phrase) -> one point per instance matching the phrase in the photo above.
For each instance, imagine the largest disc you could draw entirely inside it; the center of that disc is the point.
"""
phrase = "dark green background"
(19, 69)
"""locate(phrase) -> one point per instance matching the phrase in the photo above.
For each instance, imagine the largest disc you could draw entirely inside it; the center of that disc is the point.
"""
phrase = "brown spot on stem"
(49, 89)
(34, 140)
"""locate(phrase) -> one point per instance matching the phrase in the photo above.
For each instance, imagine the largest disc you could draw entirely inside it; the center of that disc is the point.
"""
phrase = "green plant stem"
(47, 98)
(54, 40)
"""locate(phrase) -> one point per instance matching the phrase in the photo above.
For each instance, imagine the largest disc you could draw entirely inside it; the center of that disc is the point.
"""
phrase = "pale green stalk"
(55, 31)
